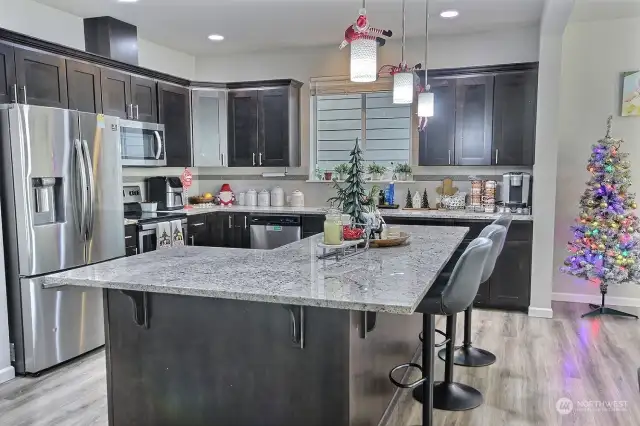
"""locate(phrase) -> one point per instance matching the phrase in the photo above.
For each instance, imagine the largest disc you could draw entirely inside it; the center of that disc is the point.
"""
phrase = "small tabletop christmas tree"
(352, 199)
(425, 200)
(409, 201)
(605, 246)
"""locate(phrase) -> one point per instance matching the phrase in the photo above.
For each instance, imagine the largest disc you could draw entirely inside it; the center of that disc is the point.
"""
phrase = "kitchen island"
(222, 336)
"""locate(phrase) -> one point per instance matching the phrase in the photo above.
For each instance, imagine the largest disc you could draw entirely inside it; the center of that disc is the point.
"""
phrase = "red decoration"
(186, 178)
(361, 29)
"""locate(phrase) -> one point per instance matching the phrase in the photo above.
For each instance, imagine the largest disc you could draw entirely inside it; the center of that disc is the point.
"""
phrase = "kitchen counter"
(387, 280)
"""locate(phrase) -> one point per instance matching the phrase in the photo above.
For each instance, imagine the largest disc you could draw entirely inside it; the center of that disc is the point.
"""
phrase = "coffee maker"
(166, 191)
(516, 190)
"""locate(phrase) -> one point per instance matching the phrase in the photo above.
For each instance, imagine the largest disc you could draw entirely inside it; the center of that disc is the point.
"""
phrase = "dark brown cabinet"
(8, 83)
(474, 111)
(198, 231)
(173, 111)
(131, 240)
(41, 79)
(116, 93)
(263, 125)
(437, 140)
(273, 127)
(243, 128)
(514, 118)
(232, 230)
(83, 87)
(144, 97)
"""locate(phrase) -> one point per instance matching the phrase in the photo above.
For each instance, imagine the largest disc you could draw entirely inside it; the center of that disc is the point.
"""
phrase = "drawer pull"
(197, 224)
(128, 237)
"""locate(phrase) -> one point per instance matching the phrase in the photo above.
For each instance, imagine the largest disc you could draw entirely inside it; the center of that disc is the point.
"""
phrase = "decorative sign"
(186, 178)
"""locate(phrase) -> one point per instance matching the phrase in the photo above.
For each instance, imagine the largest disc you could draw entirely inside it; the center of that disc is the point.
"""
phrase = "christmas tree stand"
(604, 310)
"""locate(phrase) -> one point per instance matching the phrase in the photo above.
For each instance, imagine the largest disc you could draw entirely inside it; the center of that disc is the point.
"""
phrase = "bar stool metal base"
(468, 356)
(452, 396)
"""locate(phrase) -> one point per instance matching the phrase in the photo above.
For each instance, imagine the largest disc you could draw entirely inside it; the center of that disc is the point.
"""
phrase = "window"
(383, 128)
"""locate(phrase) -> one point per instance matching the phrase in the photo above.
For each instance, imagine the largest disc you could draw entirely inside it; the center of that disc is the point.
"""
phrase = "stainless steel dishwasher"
(269, 232)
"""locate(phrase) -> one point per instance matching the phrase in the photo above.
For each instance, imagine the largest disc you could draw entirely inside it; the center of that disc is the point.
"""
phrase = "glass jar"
(333, 229)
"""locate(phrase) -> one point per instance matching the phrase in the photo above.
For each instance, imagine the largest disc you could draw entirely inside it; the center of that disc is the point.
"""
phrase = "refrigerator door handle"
(83, 183)
(159, 141)
(91, 190)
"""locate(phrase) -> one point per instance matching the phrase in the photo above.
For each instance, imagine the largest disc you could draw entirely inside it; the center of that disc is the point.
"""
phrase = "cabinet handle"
(15, 93)
(449, 157)
(192, 241)
(197, 224)
(260, 159)
(497, 155)
(128, 236)
(254, 158)
(222, 159)
(130, 111)
(230, 225)
(137, 112)
(136, 250)
(245, 222)
(24, 89)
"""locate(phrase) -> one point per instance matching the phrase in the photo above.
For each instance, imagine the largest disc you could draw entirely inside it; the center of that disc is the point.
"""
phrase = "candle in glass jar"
(333, 230)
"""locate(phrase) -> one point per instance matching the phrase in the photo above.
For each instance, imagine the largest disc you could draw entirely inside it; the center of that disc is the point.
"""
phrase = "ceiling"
(257, 25)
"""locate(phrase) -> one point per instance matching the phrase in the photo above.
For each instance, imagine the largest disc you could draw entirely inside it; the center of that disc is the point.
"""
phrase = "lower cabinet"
(130, 240)
(230, 230)
(198, 231)
(312, 225)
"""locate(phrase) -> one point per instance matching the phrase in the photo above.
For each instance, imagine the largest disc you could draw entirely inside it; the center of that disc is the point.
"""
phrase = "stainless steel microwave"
(142, 144)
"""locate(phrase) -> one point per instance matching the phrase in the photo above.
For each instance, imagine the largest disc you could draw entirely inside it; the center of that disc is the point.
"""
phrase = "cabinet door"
(116, 93)
(42, 79)
(511, 279)
(198, 231)
(144, 96)
(83, 87)
(241, 233)
(273, 124)
(437, 140)
(243, 128)
(474, 110)
(209, 110)
(514, 118)
(174, 113)
(8, 83)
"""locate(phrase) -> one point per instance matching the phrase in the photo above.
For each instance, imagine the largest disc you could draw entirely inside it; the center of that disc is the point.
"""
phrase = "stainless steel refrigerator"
(63, 208)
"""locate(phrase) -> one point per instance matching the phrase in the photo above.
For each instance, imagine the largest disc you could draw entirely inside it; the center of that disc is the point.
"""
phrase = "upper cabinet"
(209, 127)
(173, 110)
(129, 97)
(41, 79)
(263, 125)
(514, 118)
(8, 84)
(481, 120)
(83, 85)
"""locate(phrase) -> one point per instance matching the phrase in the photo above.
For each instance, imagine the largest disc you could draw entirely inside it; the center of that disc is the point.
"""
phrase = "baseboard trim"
(629, 302)
(7, 374)
(540, 312)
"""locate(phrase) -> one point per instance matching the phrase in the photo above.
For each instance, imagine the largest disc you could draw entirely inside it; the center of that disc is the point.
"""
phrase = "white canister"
(264, 199)
(242, 199)
(297, 199)
(251, 198)
(277, 197)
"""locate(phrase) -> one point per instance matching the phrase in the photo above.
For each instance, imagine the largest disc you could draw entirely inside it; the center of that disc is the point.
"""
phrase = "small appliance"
(166, 191)
(516, 190)
(142, 144)
(147, 222)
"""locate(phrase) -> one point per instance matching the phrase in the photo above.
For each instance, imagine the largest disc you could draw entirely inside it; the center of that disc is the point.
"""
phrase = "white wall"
(594, 55)
(40, 21)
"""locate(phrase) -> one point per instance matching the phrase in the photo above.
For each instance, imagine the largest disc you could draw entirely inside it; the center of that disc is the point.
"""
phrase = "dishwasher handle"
(289, 220)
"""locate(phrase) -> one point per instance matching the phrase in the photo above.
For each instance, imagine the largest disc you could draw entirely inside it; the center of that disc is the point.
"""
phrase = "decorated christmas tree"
(352, 198)
(409, 201)
(425, 200)
(604, 249)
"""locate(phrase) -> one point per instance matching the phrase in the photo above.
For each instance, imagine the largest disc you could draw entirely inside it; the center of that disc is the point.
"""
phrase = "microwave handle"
(160, 147)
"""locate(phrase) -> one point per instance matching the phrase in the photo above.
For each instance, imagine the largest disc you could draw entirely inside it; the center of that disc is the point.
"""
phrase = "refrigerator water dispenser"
(46, 193)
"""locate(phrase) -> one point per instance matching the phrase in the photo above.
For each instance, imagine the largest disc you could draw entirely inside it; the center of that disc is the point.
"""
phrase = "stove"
(143, 217)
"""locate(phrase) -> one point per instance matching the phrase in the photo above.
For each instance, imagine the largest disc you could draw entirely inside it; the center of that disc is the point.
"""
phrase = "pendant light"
(364, 59)
(403, 78)
(426, 99)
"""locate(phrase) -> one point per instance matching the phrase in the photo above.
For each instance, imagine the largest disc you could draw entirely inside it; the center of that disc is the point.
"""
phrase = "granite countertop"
(387, 280)
(430, 214)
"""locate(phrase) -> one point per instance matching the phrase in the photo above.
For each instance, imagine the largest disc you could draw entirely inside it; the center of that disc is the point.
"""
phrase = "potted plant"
(376, 171)
(342, 170)
(403, 171)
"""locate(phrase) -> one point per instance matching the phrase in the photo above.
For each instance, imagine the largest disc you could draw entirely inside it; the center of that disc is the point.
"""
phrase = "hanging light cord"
(404, 18)
(426, 44)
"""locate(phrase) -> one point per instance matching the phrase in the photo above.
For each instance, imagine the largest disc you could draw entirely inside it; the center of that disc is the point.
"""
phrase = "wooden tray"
(387, 206)
(390, 242)
(198, 199)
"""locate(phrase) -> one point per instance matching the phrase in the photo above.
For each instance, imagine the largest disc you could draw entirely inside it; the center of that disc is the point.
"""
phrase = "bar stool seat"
(446, 298)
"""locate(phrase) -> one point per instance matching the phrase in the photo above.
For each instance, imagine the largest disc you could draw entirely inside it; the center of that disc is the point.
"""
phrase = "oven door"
(147, 240)
(142, 144)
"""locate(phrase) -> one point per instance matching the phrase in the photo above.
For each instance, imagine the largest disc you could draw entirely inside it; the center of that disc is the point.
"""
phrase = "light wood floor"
(539, 362)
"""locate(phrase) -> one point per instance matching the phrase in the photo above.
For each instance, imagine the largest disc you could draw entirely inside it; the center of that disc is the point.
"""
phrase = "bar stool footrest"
(406, 385)
(440, 332)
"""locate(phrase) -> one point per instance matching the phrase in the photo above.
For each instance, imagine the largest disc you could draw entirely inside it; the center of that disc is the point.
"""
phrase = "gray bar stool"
(466, 355)
(445, 297)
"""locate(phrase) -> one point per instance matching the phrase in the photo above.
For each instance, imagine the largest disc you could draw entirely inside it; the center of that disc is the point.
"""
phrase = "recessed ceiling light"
(127, 1)
(449, 13)
(216, 37)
